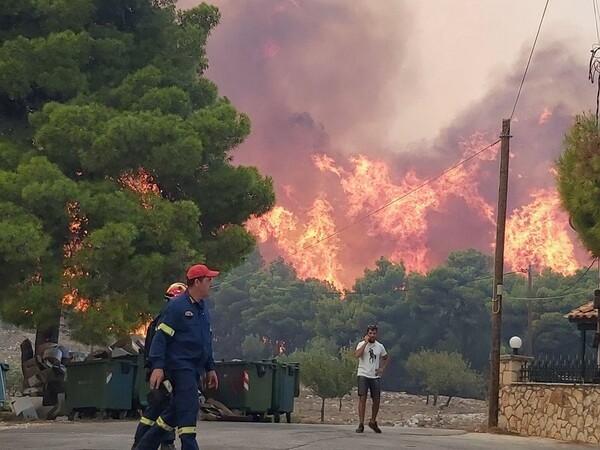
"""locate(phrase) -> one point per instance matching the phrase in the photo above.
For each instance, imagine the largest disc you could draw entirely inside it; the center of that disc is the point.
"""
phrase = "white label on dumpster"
(108, 377)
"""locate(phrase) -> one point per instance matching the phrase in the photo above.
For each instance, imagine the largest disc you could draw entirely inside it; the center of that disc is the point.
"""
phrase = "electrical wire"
(594, 3)
(581, 276)
(529, 60)
(564, 293)
(549, 298)
(412, 191)
(360, 219)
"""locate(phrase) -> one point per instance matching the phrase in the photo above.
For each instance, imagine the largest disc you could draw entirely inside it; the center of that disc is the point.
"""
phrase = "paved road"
(117, 435)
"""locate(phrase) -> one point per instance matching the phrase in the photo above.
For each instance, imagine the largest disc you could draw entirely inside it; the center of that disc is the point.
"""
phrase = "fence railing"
(560, 370)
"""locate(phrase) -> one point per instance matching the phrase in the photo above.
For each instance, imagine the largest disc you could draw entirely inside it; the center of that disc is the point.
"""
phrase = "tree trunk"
(435, 399)
(427, 401)
(322, 409)
(340, 408)
(448, 401)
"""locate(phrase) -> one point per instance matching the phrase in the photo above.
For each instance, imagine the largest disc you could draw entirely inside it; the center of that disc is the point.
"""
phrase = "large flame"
(313, 250)
(537, 234)
(397, 213)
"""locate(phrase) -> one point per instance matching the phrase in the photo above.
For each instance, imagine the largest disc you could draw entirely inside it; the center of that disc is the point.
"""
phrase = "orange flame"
(142, 329)
(537, 234)
(74, 301)
(314, 253)
(545, 116)
(140, 182)
(397, 212)
(77, 232)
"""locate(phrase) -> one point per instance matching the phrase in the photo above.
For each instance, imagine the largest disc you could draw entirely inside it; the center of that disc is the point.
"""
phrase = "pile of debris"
(45, 373)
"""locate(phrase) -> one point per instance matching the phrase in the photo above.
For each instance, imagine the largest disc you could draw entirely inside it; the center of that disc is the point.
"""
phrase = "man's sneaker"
(360, 429)
(373, 426)
(167, 446)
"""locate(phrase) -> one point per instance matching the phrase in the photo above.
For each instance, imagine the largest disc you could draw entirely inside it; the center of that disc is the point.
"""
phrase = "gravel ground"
(397, 409)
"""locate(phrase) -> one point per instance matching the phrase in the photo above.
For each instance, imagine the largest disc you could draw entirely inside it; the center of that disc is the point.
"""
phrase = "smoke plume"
(321, 82)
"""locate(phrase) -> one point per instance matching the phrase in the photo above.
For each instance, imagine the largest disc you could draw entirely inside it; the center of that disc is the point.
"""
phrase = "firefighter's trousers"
(182, 413)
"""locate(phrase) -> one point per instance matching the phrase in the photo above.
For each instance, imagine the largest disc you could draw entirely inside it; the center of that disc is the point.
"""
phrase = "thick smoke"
(326, 77)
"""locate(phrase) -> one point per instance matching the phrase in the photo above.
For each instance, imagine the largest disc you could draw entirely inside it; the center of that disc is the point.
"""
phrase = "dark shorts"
(369, 384)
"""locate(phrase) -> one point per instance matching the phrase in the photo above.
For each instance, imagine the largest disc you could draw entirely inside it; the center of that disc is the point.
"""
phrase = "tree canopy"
(579, 180)
(444, 373)
(263, 309)
(115, 162)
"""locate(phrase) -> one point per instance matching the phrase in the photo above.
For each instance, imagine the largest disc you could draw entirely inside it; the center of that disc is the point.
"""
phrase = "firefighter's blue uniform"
(151, 412)
(182, 347)
(148, 419)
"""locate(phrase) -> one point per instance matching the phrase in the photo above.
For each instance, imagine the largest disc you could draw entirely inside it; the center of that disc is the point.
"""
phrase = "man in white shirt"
(372, 361)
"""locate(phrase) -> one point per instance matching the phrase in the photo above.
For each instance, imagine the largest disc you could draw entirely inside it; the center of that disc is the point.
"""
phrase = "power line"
(284, 289)
(594, 3)
(564, 293)
(360, 219)
(581, 276)
(549, 298)
(529, 60)
(425, 183)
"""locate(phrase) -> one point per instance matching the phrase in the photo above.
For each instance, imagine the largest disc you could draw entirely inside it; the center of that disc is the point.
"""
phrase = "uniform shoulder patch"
(189, 314)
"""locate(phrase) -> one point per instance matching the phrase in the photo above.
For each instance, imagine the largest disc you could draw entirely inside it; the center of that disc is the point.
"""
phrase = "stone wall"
(553, 410)
(559, 411)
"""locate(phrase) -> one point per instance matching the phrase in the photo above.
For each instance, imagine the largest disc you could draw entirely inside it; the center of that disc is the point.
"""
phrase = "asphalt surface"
(117, 435)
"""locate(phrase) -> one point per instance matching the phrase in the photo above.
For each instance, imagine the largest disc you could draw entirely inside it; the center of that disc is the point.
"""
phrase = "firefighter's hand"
(156, 378)
(211, 380)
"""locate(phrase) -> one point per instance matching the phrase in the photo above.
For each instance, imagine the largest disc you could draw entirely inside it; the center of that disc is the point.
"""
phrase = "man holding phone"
(372, 361)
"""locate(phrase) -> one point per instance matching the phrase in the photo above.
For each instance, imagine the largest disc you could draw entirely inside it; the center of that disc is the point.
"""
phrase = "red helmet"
(175, 289)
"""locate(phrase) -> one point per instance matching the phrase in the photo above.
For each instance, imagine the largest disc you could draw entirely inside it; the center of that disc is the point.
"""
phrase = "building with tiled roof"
(584, 314)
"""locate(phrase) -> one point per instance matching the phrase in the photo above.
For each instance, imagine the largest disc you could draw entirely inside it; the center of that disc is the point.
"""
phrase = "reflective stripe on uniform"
(186, 430)
(146, 421)
(167, 329)
(161, 423)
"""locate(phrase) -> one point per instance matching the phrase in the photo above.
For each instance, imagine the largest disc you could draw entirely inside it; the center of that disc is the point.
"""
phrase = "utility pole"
(493, 390)
(529, 338)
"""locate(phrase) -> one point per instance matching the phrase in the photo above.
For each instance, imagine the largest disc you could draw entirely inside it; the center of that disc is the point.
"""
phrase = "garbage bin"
(286, 386)
(245, 386)
(104, 385)
(3, 369)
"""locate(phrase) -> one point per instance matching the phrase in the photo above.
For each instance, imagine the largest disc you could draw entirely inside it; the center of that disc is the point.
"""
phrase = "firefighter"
(181, 352)
(153, 410)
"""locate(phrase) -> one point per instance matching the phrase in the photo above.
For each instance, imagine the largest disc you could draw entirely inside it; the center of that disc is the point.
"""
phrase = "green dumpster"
(3, 370)
(286, 386)
(245, 386)
(100, 385)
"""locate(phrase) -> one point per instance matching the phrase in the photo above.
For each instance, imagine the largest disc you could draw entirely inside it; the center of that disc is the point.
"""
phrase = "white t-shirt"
(369, 362)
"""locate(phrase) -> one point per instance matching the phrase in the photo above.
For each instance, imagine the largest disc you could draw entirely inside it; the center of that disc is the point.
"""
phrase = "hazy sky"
(461, 47)
(453, 51)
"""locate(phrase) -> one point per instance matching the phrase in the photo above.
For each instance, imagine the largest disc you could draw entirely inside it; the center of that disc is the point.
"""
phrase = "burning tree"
(579, 180)
(115, 165)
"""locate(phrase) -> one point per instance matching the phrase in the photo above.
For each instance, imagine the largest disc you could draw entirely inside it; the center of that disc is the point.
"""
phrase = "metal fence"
(560, 370)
